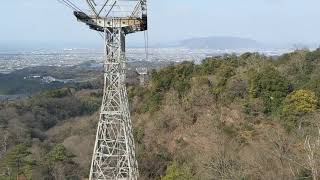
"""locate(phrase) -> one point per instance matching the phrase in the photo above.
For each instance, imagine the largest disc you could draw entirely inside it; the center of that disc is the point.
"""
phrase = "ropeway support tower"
(114, 150)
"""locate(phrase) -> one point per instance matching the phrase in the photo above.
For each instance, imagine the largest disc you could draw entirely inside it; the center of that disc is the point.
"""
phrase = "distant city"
(69, 57)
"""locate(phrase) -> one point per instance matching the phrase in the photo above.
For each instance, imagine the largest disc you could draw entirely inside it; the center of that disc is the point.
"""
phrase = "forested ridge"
(230, 117)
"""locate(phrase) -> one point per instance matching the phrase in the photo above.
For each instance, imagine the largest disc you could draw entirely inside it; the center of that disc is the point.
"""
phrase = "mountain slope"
(230, 117)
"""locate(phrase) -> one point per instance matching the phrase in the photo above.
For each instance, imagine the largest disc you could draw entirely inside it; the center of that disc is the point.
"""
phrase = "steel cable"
(70, 5)
(66, 4)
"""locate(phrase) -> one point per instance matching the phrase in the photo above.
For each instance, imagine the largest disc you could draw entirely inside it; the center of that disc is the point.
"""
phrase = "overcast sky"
(47, 23)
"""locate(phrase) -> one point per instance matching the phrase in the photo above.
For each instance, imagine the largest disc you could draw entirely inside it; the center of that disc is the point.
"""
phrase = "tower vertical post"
(114, 154)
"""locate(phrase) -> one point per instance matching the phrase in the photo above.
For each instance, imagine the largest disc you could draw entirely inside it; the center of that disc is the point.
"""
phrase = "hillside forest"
(231, 117)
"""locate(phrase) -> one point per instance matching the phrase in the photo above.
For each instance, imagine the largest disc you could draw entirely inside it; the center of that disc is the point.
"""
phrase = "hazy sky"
(47, 23)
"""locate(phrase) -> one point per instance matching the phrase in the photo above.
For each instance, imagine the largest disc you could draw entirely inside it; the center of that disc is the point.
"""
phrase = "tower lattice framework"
(114, 150)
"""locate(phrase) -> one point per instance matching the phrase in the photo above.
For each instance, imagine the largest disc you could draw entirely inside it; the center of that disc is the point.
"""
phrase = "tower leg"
(114, 151)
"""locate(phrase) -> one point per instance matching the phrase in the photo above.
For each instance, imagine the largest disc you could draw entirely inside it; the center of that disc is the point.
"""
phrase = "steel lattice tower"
(114, 151)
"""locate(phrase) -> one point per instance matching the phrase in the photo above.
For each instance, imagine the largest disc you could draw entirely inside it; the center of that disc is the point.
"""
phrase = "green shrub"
(313, 85)
(176, 77)
(209, 66)
(59, 93)
(165, 78)
(59, 163)
(296, 105)
(175, 172)
(90, 104)
(313, 55)
(17, 162)
(224, 73)
(300, 102)
(248, 55)
(270, 86)
(58, 153)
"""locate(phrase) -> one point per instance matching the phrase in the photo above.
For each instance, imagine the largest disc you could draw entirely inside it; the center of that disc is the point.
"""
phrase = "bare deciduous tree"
(312, 149)
(226, 164)
(4, 137)
(58, 171)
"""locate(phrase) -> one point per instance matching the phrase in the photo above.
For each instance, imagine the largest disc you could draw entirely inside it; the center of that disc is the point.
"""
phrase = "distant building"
(48, 79)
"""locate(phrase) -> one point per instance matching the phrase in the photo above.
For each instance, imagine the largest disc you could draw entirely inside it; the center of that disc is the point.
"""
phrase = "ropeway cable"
(70, 5)
(146, 40)
(66, 4)
(146, 44)
(74, 5)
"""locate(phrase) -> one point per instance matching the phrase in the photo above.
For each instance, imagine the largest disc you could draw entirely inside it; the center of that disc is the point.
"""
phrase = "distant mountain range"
(213, 42)
(220, 43)
(229, 42)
